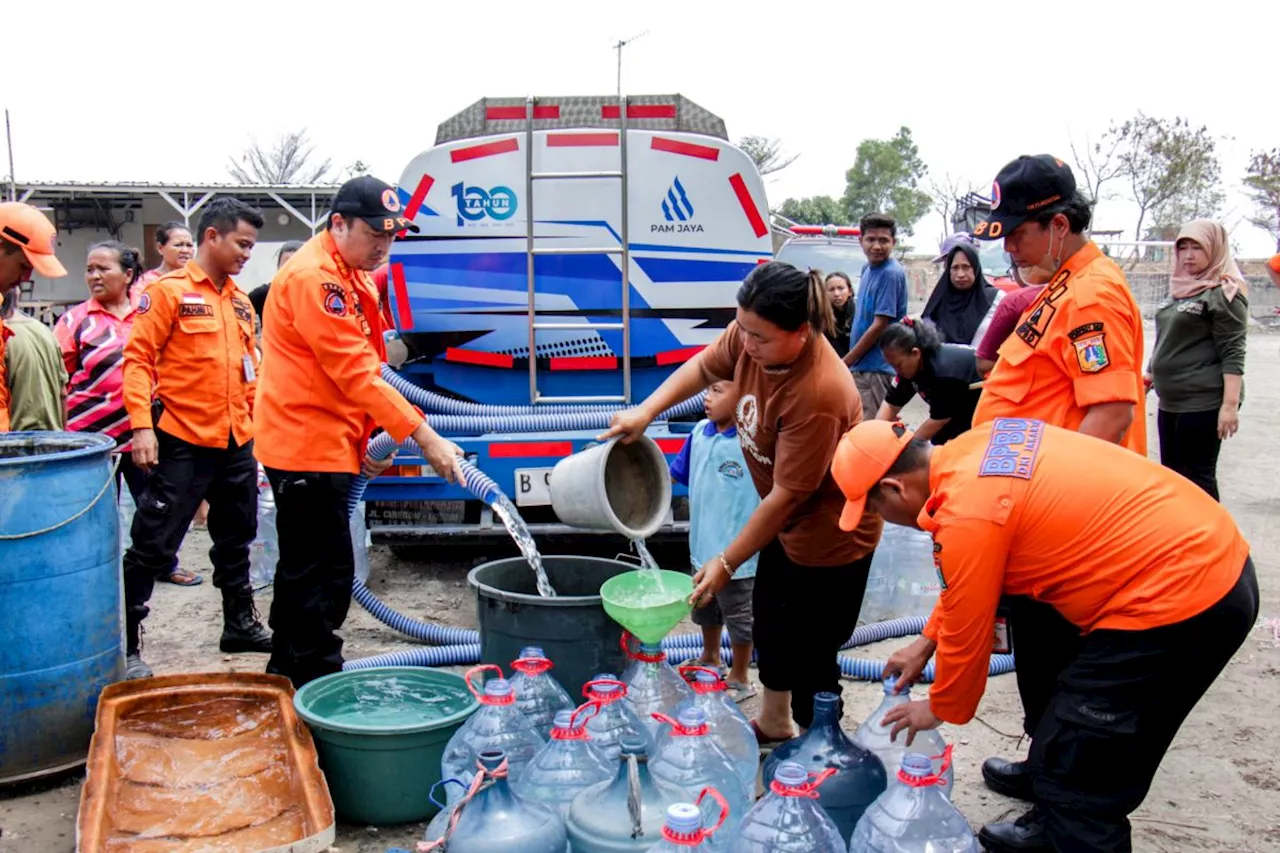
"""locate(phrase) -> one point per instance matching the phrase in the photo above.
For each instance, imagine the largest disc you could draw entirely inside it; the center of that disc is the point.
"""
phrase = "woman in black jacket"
(940, 373)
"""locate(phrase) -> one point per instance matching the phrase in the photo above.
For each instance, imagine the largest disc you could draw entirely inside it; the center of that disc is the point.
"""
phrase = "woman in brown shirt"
(796, 401)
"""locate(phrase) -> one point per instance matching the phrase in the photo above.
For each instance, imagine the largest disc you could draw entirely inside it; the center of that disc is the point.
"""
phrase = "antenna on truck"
(618, 47)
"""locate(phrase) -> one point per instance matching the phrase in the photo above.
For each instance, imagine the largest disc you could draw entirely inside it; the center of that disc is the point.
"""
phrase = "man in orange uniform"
(1152, 573)
(1074, 360)
(322, 395)
(27, 241)
(190, 370)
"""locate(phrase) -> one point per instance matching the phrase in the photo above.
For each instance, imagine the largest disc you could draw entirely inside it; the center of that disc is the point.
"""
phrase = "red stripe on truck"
(587, 362)
(419, 196)
(687, 149)
(677, 356)
(748, 204)
(471, 356)
(523, 449)
(581, 140)
(488, 149)
(639, 111)
(518, 112)
(402, 296)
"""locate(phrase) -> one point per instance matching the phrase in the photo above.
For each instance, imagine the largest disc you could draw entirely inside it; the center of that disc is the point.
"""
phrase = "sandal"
(720, 668)
(740, 691)
(765, 741)
(182, 577)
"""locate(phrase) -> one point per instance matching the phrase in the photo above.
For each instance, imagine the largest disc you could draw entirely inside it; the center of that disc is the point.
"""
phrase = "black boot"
(134, 666)
(1010, 778)
(241, 630)
(1027, 834)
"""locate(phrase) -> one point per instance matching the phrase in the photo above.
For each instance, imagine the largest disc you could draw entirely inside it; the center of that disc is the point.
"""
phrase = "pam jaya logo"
(676, 210)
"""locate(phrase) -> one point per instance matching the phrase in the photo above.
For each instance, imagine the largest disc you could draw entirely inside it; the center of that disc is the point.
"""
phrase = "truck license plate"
(533, 486)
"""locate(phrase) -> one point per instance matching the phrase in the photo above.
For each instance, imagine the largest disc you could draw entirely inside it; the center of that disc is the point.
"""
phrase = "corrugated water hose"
(458, 646)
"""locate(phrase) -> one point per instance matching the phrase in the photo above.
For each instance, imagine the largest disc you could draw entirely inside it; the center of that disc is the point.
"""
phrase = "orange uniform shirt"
(4, 381)
(1079, 344)
(187, 349)
(322, 354)
(1108, 538)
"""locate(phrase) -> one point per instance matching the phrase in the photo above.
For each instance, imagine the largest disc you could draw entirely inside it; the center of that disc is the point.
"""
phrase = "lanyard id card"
(246, 362)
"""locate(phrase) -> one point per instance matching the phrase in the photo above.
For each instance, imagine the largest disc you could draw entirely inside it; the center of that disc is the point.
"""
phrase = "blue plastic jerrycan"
(615, 719)
(691, 759)
(626, 814)
(729, 726)
(860, 776)
(913, 815)
(874, 735)
(567, 765)
(497, 725)
(491, 818)
(538, 695)
(653, 685)
(788, 818)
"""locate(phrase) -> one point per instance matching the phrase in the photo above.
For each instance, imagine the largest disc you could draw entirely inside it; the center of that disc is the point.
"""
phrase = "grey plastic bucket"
(614, 486)
(572, 628)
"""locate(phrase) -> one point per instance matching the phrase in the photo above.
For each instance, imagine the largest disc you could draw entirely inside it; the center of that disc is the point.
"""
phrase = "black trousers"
(135, 480)
(803, 614)
(1040, 634)
(185, 475)
(1120, 698)
(1189, 444)
(313, 576)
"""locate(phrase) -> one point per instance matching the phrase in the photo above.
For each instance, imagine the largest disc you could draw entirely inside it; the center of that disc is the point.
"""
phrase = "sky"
(149, 91)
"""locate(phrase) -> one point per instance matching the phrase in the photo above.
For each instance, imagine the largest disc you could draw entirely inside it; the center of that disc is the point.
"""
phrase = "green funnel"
(646, 606)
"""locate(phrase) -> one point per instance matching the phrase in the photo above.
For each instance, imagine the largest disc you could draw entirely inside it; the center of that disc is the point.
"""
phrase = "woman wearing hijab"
(961, 298)
(1197, 365)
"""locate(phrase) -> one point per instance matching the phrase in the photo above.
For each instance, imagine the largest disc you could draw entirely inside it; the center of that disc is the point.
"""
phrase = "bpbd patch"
(244, 311)
(335, 299)
(1012, 448)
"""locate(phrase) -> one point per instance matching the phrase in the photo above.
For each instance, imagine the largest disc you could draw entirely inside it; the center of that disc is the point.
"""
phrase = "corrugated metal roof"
(131, 186)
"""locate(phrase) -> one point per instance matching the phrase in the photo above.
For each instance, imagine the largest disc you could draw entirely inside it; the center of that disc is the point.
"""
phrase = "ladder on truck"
(533, 251)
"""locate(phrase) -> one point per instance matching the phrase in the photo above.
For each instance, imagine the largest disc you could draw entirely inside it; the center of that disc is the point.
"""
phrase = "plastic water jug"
(491, 818)
(875, 737)
(729, 726)
(860, 777)
(691, 759)
(616, 718)
(626, 813)
(913, 816)
(361, 540)
(264, 551)
(568, 763)
(788, 818)
(902, 581)
(653, 685)
(684, 828)
(538, 695)
(497, 725)
(125, 508)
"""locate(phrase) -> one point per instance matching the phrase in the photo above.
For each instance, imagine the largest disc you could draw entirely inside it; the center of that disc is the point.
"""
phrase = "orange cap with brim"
(27, 227)
(862, 457)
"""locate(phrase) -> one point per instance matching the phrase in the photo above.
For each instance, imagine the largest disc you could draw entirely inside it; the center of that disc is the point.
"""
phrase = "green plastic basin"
(648, 611)
(380, 734)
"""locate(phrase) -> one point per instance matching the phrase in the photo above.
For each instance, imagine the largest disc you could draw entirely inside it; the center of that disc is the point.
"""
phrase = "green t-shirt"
(1198, 339)
(36, 375)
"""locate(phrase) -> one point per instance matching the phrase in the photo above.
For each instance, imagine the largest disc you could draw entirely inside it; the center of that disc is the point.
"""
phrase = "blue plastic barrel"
(60, 597)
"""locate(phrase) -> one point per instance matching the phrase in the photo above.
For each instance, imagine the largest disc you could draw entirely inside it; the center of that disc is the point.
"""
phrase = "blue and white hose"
(460, 646)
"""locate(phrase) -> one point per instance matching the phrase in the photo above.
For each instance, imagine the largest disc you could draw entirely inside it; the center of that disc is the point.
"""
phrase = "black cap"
(1024, 188)
(374, 201)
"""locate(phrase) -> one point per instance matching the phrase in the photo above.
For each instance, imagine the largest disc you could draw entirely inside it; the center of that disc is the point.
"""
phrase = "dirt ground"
(1218, 789)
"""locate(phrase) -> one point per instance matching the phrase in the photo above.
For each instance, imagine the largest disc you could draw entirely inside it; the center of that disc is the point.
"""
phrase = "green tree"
(885, 178)
(1262, 182)
(1172, 168)
(766, 153)
(814, 210)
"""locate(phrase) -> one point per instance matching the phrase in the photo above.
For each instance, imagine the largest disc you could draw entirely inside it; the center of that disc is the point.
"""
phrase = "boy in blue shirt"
(721, 499)
(881, 300)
